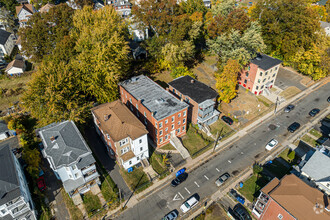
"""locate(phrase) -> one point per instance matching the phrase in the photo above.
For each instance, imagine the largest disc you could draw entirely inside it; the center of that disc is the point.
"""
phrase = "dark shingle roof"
(3, 127)
(4, 35)
(9, 183)
(265, 62)
(196, 90)
(68, 147)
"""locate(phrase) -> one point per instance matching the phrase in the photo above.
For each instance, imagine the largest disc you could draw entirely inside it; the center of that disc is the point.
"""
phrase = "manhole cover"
(272, 127)
(162, 203)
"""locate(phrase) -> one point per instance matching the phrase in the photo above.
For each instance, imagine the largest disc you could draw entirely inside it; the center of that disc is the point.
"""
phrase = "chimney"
(52, 139)
(192, 81)
(106, 117)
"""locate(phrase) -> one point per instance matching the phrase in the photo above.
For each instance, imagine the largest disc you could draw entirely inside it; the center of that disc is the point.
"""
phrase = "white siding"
(15, 71)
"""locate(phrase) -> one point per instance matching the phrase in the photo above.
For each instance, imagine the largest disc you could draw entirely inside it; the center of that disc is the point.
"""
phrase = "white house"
(124, 135)
(69, 157)
(6, 44)
(15, 68)
(15, 197)
(123, 7)
(24, 12)
(326, 27)
(4, 131)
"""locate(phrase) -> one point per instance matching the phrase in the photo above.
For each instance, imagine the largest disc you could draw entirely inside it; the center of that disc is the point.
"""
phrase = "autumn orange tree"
(226, 84)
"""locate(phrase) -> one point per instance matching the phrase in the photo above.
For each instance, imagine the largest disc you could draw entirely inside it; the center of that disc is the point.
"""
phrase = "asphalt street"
(233, 159)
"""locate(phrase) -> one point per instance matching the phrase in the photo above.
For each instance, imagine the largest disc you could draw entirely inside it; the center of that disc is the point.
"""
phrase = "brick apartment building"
(201, 99)
(124, 135)
(162, 113)
(260, 74)
(291, 198)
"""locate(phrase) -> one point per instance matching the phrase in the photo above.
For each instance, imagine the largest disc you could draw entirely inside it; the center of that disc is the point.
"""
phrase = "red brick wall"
(273, 209)
(151, 121)
(250, 78)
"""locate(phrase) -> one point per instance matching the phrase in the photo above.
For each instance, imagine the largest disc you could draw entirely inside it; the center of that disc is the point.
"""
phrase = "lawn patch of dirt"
(290, 92)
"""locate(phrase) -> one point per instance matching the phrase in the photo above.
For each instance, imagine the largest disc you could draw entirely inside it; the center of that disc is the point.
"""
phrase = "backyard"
(213, 212)
(158, 163)
(91, 202)
(221, 127)
(75, 212)
(137, 180)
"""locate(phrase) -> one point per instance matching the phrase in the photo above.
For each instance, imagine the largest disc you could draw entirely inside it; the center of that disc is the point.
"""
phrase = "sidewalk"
(194, 163)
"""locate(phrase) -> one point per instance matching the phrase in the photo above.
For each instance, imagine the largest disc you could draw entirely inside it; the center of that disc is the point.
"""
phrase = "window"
(145, 115)
(275, 68)
(70, 176)
(137, 107)
(130, 162)
(137, 158)
(259, 80)
(141, 148)
(122, 92)
(179, 122)
(124, 150)
(274, 74)
(160, 140)
(172, 118)
(247, 74)
(245, 81)
(108, 136)
(160, 132)
(76, 175)
(145, 121)
(178, 130)
(126, 96)
(262, 87)
(184, 113)
(272, 81)
(156, 124)
(172, 127)
(280, 216)
(257, 87)
(179, 115)
(271, 70)
(140, 141)
(123, 142)
(183, 121)
(183, 128)
(266, 73)
(260, 73)
(187, 100)
(173, 90)
(74, 167)
(166, 129)
(130, 100)
(67, 168)
(249, 68)
(131, 108)
(160, 124)
(264, 80)
(166, 121)
(166, 136)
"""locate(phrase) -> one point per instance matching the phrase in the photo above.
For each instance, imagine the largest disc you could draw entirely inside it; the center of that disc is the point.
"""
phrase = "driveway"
(286, 78)
(99, 149)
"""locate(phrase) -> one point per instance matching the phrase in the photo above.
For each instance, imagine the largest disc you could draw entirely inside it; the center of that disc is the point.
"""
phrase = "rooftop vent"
(160, 100)
(259, 57)
(106, 117)
(55, 146)
(192, 81)
(134, 79)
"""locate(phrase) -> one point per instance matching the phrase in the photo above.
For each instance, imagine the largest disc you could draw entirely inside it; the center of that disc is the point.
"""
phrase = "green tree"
(223, 7)
(292, 155)
(192, 6)
(227, 81)
(177, 55)
(7, 19)
(32, 159)
(181, 71)
(236, 46)
(257, 169)
(10, 5)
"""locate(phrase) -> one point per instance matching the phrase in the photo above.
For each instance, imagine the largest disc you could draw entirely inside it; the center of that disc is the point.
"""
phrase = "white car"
(189, 204)
(271, 144)
(171, 216)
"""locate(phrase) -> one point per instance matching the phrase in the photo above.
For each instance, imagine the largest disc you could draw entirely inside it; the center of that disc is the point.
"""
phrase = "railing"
(14, 205)
(25, 209)
(84, 171)
(92, 176)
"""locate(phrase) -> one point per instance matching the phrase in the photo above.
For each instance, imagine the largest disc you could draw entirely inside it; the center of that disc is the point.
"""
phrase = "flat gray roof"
(153, 96)
(318, 167)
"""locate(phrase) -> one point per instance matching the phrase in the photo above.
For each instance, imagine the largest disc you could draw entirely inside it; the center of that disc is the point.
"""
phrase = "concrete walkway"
(196, 162)
(175, 141)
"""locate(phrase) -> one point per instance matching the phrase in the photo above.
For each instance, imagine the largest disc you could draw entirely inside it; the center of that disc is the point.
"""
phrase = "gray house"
(69, 157)
(15, 197)
(201, 98)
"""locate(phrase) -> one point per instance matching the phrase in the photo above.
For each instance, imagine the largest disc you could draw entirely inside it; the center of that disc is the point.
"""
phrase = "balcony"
(16, 204)
(88, 169)
(91, 176)
(22, 210)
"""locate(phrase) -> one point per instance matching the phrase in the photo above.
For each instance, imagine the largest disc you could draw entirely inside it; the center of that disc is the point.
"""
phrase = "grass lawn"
(277, 168)
(264, 100)
(213, 212)
(167, 147)
(251, 187)
(137, 179)
(156, 161)
(220, 125)
(17, 85)
(315, 133)
(108, 191)
(290, 92)
(91, 202)
(309, 140)
(75, 212)
(194, 141)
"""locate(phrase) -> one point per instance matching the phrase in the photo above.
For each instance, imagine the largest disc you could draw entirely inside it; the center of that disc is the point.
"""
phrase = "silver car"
(171, 216)
(223, 178)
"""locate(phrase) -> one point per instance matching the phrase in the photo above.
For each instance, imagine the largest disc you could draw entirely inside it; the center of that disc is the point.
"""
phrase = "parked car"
(179, 179)
(171, 216)
(189, 204)
(41, 184)
(328, 99)
(314, 112)
(293, 127)
(289, 108)
(223, 178)
(17, 150)
(271, 144)
(241, 213)
(227, 120)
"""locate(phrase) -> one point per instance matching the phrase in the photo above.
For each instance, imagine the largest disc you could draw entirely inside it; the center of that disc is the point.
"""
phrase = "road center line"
(180, 195)
(217, 170)
(206, 177)
(196, 184)
(187, 190)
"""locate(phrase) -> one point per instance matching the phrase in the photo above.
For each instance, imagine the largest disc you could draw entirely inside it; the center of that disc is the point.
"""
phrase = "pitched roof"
(15, 63)
(3, 126)
(120, 122)
(325, 24)
(9, 183)
(196, 90)
(153, 96)
(4, 35)
(299, 199)
(68, 147)
(46, 7)
(265, 62)
(27, 7)
(318, 167)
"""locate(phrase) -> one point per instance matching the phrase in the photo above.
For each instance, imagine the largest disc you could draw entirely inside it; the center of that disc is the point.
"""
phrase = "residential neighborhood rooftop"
(3, 126)
(15, 63)
(196, 90)
(64, 144)
(4, 35)
(318, 167)
(118, 121)
(27, 7)
(298, 198)
(153, 96)
(9, 183)
(265, 62)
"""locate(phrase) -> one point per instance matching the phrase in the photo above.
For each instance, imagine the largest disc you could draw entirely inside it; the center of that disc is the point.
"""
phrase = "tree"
(45, 30)
(257, 169)
(175, 55)
(7, 19)
(227, 81)
(292, 155)
(32, 159)
(192, 6)
(236, 46)
(181, 71)
(287, 25)
(223, 7)
(10, 5)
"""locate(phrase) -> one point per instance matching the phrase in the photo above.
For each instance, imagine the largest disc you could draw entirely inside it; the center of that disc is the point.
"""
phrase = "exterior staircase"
(175, 141)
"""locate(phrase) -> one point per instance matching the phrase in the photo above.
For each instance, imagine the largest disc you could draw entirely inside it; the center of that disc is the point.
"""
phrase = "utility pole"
(276, 103)
(120, 198)
(219, 137)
